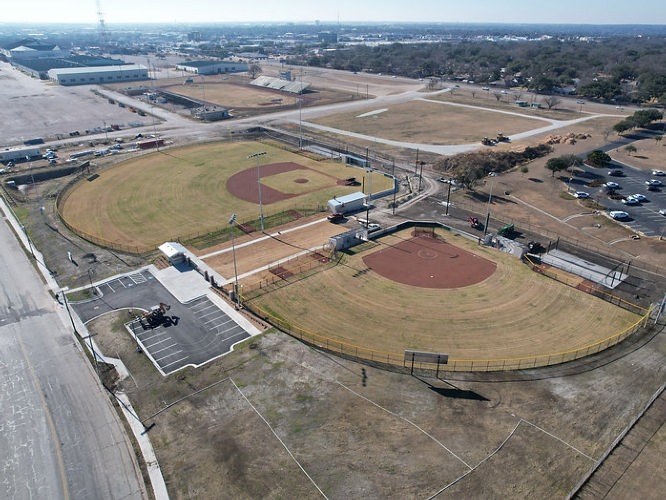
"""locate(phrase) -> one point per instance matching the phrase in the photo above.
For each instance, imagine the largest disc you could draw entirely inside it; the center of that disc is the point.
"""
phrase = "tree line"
(620, 69)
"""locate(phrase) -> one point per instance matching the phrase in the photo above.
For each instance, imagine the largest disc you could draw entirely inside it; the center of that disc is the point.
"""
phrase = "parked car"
(612, 185)
(581, 194)
(630, 201)
(662, 211)
(639, 197)
(335, 217)
(654, 182)
(373, 227)
(658, 172)
(618, 214)
(616, 172)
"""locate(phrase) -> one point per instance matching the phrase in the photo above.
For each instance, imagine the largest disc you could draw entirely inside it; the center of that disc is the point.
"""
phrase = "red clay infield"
(243, 184)
(429, 262)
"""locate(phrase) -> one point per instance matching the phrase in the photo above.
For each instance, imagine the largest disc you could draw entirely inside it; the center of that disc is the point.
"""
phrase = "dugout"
(348, 203)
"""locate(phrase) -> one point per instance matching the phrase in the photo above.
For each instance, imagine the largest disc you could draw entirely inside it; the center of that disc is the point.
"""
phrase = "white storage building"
(98, 74)
(212, 67)
(348, 203)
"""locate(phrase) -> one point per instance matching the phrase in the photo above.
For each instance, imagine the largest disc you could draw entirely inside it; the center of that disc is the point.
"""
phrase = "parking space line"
(163, 349)
(174, 362)
(169, 355)
(109, 285)
(158, 342)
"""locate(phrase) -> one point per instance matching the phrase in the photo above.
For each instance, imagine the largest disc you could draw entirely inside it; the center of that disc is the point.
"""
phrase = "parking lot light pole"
(490, 197)
(261, 209)
(233, 252)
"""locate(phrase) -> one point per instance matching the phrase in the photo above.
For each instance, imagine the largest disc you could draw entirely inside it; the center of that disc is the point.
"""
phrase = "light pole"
(233, 252)
(261, 209)
(490, 197)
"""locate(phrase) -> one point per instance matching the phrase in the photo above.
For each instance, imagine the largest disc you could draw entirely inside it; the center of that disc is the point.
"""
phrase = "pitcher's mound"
(429, 262)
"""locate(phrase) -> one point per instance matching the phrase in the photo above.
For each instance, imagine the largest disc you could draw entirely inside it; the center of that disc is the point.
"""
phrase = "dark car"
(616, 172)
(335, 217)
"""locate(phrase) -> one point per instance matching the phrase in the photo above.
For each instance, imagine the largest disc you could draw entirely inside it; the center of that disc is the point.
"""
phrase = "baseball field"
(431, 122)
(443, 294)
(169, 194)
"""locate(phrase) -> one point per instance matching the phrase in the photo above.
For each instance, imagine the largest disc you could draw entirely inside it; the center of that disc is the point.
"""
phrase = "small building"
(212, 67)
(98, 74)
(14, 154)
(173, 251)
(348, 203)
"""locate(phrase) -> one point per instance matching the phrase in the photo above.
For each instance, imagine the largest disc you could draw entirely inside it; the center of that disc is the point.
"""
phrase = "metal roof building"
(212, 67)
(98, 74)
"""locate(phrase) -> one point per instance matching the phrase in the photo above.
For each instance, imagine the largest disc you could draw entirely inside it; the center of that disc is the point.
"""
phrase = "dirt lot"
(280, 419)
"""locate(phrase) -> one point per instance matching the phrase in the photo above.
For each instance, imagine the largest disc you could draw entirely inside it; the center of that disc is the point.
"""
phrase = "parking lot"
(644, 217)
(187, 334)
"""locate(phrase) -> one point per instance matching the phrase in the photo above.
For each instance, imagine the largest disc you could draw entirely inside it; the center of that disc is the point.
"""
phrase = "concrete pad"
(184, 283)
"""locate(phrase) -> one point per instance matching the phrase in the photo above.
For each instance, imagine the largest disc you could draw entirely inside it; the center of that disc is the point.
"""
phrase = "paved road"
(59, 435)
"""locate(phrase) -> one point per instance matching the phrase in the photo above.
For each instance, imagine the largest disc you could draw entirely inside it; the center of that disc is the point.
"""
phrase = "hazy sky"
(445, 11)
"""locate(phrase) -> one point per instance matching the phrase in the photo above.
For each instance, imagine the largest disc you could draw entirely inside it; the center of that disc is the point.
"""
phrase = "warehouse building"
(98, 74)
(212, 67)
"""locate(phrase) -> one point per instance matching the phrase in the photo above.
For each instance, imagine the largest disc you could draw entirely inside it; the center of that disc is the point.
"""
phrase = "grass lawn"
(173, 193)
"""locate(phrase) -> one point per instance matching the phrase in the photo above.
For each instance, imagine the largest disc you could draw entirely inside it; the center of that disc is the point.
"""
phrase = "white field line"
(406, 420)
(500, 447)
(278, 438)
(252, 242)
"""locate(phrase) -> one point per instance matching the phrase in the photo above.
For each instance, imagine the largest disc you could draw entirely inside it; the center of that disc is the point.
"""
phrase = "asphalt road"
(60, 437)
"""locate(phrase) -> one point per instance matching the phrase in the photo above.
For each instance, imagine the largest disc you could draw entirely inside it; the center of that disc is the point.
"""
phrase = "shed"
(348, 203)
(173, 251)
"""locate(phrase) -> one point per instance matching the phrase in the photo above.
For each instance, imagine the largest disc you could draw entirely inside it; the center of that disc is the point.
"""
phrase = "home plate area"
(190, 334)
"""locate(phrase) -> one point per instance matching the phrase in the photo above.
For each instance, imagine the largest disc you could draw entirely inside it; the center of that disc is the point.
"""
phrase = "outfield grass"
(513, 313)
(170, 194)
(431, 123)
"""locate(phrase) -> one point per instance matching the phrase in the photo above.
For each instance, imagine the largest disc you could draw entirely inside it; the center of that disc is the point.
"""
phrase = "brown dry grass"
(431, 123)
(167, 195)
(514, 313)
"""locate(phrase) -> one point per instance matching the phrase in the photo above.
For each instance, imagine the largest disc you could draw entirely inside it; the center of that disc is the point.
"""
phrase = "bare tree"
(254, 70)
(498, 96)
(551, 101)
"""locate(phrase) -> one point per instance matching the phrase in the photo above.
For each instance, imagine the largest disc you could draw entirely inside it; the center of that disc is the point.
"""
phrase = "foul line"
(406, 420)
(278, 437)
(502, 446)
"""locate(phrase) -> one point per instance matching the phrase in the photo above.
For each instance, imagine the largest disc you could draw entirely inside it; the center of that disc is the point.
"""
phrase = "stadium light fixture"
(261, 209)
(490, 197)
(233, 252)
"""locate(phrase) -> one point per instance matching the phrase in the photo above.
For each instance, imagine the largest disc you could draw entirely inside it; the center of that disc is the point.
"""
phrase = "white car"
(581, 194)
(662, 211)
(373, 227)
(618, 214)
(653, 182)
(639, 197)
(658, 173)
(612, 185)
(630, 200)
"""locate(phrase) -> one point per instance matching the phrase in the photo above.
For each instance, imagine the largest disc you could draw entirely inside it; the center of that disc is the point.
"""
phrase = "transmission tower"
(103, 33)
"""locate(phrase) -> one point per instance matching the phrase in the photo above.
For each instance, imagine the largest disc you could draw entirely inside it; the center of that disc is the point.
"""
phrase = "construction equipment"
(487, 142)
(506, 231)
(502, 138)
(155, 317)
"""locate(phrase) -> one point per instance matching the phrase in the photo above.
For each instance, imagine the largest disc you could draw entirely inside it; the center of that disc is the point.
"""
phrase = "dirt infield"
(512, 313)
(243, 184)
(429, 262)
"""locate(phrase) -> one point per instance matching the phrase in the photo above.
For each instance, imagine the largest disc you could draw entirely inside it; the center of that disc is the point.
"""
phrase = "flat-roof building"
(212, 67)
(98, 74)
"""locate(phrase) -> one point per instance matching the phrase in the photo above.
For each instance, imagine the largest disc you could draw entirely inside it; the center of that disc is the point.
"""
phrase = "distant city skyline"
(345, 11)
